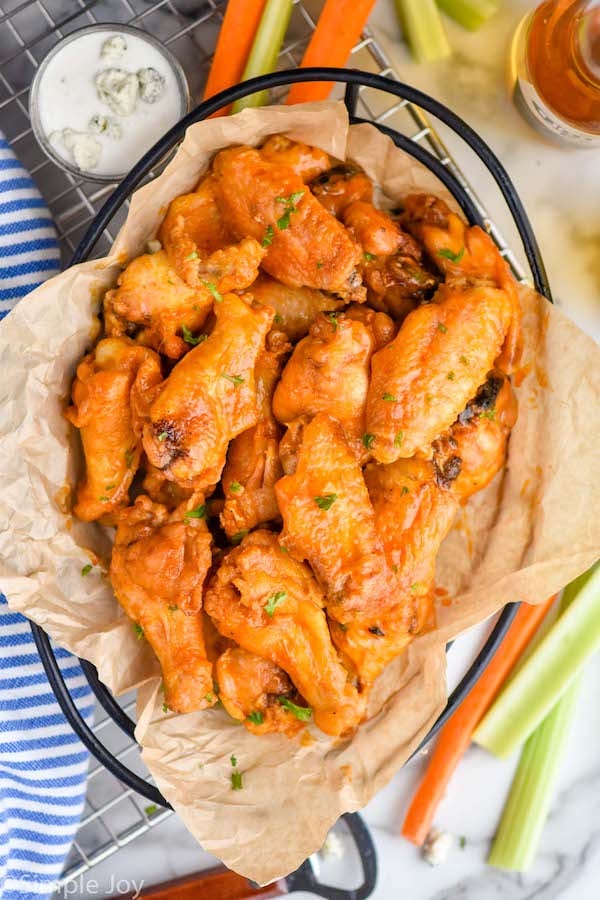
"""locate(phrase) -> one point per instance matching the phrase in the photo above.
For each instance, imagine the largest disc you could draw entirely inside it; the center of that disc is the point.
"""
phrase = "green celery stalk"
(471, 14)
(548, 672)
(265, 49)
(423, 29)
(526, 808)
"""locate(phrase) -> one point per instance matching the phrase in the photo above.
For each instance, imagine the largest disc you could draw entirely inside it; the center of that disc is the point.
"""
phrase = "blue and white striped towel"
(43, 765)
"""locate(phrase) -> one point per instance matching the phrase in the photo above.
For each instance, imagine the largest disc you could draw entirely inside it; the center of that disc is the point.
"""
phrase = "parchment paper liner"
(523, 538)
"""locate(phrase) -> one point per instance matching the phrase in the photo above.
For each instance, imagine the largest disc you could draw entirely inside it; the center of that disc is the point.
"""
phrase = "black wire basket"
(304, 878)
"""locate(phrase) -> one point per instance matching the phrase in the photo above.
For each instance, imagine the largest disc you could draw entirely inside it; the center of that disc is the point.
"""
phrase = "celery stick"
(471, 14)
(423, 29)
(265, 49)
(526, 808)
(546, 675)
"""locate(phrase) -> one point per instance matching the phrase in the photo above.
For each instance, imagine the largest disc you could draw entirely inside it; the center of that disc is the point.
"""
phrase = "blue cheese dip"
(105, 96)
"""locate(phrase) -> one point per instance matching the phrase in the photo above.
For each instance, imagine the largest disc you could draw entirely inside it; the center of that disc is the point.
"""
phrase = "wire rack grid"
(115, 815)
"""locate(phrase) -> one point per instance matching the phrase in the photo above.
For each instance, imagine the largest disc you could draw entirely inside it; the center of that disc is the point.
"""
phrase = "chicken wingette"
(209, 397)
(157, 571)
(111, 395)
(306, 246)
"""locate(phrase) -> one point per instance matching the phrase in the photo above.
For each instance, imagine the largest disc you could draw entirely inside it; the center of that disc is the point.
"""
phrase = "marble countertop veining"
(560, 190)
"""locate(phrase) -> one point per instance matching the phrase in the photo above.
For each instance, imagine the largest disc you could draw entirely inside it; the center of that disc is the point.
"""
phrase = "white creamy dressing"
(69, 99)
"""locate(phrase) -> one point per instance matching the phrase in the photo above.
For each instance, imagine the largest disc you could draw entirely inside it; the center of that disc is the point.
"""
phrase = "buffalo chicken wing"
(158, 567)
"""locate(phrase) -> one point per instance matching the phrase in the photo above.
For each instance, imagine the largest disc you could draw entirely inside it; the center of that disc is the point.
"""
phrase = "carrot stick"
(338, 29)
(455, 736)
(233, 46)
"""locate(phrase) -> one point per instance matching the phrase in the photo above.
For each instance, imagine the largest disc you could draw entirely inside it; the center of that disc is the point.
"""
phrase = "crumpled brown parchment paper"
(532, 530)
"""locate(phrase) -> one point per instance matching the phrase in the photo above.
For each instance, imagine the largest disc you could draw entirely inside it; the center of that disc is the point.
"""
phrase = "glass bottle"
(555, 71)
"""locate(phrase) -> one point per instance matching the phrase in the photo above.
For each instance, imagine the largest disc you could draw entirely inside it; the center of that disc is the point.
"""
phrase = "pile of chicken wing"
(294, 393)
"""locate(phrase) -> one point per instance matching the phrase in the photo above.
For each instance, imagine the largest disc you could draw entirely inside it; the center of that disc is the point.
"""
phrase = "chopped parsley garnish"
(129, 454)
(320, 264)
(462, 842)
(283, 549)
(389, 398)
(441, 327)
(173, 607)
(404, 491)
(163, 436)
(256, 717)
(369, 256)
(398, 439)
(488, 414)
(209, 697)
(87, 569)
(238, 537)
(193, 255)
(189, 337)
(274, 601)
(139, 631)
(235, 487)
(332, 316)
(236, 380)
(109, 487)
(150, 810)
(103, 499)
(301, 712)
(368, 440)
(198, 513)
(268, 237)
(446, 253)
(289, 207)
(464, 360)
(450, 376)
(236, 781)
(212, 289)
(278, 320)
(417, 586)
(165, 708)
(233, 760)
(395, 569)
(326, 501)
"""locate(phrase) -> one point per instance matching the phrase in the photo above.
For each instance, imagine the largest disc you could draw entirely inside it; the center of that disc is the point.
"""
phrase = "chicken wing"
(295, 307)
(466, 256)
(306, 162)
(306, 246)
(200, 245)
(328, 372)
(392, 269)
(468, 456)
(253, 465)
(158, 567)
(329, 521)
(111, 393)
(209, 397)
(427, 374)
(412, 516)
(250, 688)
(152, 302)
(271, 605)
(340, 186)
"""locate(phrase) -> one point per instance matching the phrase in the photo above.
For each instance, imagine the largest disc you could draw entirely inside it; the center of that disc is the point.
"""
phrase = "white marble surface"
(560, 190)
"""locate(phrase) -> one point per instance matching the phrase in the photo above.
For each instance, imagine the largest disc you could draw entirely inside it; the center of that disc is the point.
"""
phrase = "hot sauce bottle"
(555, 71)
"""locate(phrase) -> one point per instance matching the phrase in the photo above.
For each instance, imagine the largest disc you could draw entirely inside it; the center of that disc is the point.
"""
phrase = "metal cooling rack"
(115, 815)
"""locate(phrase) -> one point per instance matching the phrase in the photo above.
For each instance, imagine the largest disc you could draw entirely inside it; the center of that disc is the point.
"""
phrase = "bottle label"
(531, 105)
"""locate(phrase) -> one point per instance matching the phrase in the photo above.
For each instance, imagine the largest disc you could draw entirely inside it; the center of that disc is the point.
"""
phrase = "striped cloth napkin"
(43, 765)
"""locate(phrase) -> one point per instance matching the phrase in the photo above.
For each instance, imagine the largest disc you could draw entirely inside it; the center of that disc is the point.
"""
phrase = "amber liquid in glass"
(556, 70)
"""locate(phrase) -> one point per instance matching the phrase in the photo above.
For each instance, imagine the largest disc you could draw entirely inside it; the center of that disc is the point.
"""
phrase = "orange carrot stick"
(338, 29)
(455, 736)
(233, 46)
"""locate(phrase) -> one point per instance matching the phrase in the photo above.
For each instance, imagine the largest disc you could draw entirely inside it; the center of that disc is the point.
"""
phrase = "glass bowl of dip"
(102, 97)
